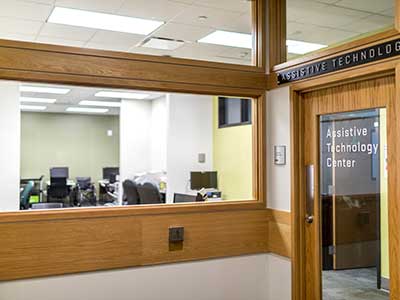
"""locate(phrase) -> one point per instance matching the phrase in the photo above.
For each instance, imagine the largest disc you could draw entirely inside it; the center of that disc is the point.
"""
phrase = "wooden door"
(363, 97)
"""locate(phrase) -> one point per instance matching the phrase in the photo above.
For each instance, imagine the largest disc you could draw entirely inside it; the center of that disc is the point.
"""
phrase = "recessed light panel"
(100, 103)
(121, 95)
(228, 38)
(299, 47)
(90, 19)
(32, 107)
(87, 110)
(44, 90)
(37, 100)
(163, 44)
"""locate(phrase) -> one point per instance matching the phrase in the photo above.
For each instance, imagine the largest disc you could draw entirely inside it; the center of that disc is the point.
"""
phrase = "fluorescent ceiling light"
(87, 110)
(32, 107)
(90, 19)
(121, 95)
(299, 47)
(100, 103)
(45, 90)
(228, 38)
(163, 44)
(37, 100)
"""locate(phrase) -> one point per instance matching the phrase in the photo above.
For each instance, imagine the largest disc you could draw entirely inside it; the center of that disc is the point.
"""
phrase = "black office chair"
(149, 193)
(58, 190)
(84, 192)
(131, 194)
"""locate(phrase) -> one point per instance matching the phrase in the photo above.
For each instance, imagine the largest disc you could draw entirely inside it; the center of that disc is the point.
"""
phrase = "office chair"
(58, 190)
(149, 193)
(26, 194)
(131, 194)
(184, 198)
(84, 192)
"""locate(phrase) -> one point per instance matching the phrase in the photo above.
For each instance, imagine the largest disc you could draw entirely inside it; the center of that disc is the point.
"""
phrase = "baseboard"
(385, 283)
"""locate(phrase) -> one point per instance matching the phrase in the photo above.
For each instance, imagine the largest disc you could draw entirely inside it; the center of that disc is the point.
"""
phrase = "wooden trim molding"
(38, 246)
(276, 32)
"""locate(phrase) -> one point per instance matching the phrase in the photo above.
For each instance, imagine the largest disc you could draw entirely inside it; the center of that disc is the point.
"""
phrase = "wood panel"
(42, 248)
(45, 247)
(277, 32)
(53, 64)
(279, 233)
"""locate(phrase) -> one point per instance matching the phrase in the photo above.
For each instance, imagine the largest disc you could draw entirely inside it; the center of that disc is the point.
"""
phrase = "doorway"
(344, 206)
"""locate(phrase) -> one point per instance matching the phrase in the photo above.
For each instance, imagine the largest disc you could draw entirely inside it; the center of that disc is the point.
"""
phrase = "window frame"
(52, 64)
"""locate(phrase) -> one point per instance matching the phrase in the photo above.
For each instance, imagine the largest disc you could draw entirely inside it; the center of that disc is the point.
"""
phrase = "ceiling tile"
(317, 34)
(17, 26)
(199, 51)
(25, 10)
(371, 23)
(230, 5)
(17, 37)
(58, 41)
(68, 32)
(388, 12)
(183, 31)
(108, 6)
(237, 54)
(161, 10)
(216, 18)
(51, 2)
(322, 14)
(367, 5)
(117, 41)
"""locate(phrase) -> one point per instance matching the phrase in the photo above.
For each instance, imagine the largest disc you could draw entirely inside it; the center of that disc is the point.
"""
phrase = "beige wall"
(77, 141)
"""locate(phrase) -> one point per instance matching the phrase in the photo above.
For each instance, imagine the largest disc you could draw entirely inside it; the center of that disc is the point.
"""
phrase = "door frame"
(298, 182)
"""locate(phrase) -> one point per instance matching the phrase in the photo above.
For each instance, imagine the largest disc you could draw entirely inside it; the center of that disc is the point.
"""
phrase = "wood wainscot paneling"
(279, 233)
(40, 246)
(43, 247)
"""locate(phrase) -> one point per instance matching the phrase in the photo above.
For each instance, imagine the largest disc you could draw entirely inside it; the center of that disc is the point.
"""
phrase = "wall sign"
(340, 62)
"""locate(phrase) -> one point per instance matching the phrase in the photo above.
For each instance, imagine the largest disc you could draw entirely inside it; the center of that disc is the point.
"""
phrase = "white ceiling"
(330, 22)
(325, 22)
(26, 20)
(76, 95)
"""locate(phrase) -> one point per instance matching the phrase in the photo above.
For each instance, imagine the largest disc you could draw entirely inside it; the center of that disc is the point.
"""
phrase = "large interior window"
(77, 146)
(315, 25)
(219, 31)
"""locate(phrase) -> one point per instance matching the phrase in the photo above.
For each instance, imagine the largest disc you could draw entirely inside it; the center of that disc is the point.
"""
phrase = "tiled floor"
(357, 284)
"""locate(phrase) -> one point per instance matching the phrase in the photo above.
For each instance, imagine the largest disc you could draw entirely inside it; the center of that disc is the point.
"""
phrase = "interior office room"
(111, 147)
(199, 149)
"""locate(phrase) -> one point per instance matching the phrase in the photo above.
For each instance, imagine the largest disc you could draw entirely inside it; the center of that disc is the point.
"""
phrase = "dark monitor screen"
(199, 180)
(110, 173)
(59, 172)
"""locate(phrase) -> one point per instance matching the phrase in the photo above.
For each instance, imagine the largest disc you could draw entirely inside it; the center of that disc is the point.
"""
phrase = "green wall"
(233, 158)
(384, 197)
(77, 141)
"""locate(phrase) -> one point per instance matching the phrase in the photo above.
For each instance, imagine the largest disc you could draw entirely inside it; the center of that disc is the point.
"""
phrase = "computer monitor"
(59, 172)
(207, 180)
(110, 173)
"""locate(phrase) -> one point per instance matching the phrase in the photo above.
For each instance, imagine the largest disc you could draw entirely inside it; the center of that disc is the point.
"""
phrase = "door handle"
(310, 194)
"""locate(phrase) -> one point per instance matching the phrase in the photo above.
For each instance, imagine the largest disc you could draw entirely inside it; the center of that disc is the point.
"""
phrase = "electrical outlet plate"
(176, 234)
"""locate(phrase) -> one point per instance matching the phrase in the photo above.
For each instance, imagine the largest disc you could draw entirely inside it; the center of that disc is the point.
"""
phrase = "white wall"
(237, 278)
(190, 132)
(278, 186)
(278, 133)
(158, 135)
(10, 124)
(135, 121)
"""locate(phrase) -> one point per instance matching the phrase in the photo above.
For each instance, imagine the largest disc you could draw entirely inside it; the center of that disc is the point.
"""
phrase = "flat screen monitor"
(59, 172)
(207, 180)
(110, 173)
